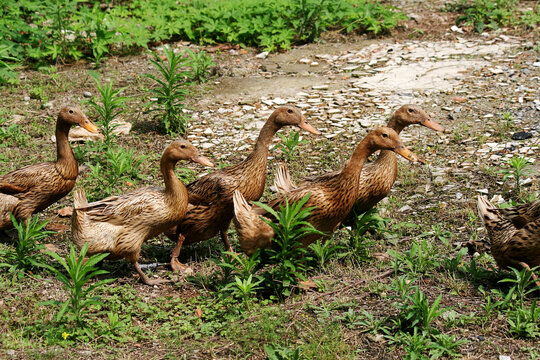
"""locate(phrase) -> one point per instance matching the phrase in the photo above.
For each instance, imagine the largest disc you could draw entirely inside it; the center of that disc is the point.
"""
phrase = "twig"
(356, 283)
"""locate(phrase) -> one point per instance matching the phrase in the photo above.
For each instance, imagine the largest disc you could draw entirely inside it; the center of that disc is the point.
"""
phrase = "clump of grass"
(27, 254)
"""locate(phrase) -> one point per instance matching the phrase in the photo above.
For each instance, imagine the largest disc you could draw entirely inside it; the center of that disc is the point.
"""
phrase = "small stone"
(26, 98)
(459, 99)
(405, 208)
(504, 357)
(521, 135)
(208, 131)
(262, 55)
(314, 63)
(320, 87)
(87, 94)
(280, 101)
(305, 61)
(454, 28)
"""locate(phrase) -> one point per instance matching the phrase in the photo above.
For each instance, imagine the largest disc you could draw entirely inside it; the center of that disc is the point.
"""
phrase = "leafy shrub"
(27, 254)
(79, 272)
(170, 91)
(288, 255)
(109, 108)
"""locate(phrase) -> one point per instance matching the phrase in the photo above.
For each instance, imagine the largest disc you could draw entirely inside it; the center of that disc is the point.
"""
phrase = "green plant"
(445, 345)
(200, 63)
(420, 258)
(27, 255)
(8, 66)
(482, 14)
(120, 167)
(288, 256)
(244, 289)
(326, 250)
(170, 91)
(79, 273)
(289, 143)
(517, 167)
(276, 352)
(109, 109)
(415, 311)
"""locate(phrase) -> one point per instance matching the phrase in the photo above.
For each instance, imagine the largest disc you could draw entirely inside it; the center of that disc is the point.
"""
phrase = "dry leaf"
(198, 312)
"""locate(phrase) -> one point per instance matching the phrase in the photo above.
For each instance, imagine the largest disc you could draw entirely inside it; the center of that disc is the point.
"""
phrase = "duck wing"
(26, 178)
(119, 209)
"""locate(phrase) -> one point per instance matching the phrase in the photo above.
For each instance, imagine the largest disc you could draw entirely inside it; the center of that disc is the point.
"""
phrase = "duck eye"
(290, 111)
(411, 110)
(183, 146)
(384, 135)
(70, 111)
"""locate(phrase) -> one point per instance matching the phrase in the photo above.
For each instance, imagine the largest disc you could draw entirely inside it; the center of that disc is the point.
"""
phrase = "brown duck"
(120, 224)
(33, 188)
(212, 194)
(514, 234)
(332, 195)
(378, 177)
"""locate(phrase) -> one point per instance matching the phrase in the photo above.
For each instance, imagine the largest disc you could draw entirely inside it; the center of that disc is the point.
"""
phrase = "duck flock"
(187, 214)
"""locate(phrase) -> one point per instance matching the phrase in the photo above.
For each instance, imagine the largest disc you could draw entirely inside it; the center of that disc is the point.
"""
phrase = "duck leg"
(175, 264)
(225, 239)
(145, 279)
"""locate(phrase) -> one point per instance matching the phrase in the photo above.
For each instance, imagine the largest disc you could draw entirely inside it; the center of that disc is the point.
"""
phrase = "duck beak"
(406, 153)
(88, 125)
(202, 160)
(309, 128)
(432, 125)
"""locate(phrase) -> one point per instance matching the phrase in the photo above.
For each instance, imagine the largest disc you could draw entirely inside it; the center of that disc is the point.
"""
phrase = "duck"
(378, 177)
(119, 225)
(212, 194)
(33, 188)
(514, 234)
(332, 196)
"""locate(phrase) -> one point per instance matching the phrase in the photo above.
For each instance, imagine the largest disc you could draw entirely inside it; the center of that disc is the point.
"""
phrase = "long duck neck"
(388, 156)
(260, 152)
(353, 167)
(175, 190)
(66, 164)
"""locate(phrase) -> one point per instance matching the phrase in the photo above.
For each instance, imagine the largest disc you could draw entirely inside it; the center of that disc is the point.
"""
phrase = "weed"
(109, 109)
(120, 168)
(200, 63)
(289, 259)
(79, 272)
(244, 289)
(27, 255)
(8, 66)
(170, 91)
(445, 345)
(419, 259)
(276, 352)
(12, 134)
(482, 14)
(326, 250)
(289, 143)
(517, 167)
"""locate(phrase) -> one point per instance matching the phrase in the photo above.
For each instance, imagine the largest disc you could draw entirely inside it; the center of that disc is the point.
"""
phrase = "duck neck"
(261, 150)
(354, 166)
(175, 190)
(66, 164)
(393, 123)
